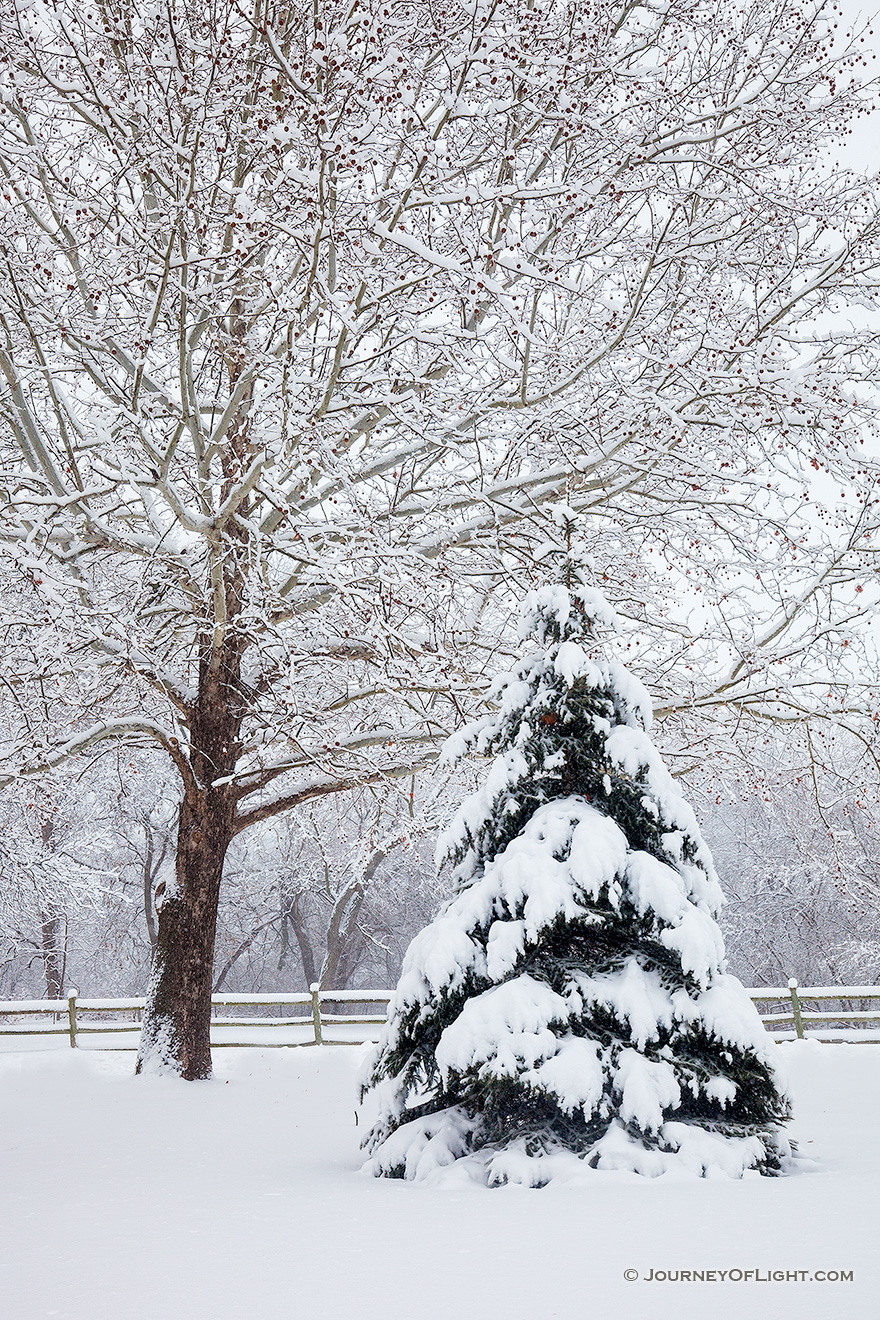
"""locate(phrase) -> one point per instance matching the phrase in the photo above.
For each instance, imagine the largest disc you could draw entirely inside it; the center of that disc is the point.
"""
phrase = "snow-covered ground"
(240, 1199)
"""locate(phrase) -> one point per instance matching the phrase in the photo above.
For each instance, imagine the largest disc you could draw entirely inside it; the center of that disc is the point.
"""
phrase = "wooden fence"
(837, 1018)
(74, 1018)
(786, 1013)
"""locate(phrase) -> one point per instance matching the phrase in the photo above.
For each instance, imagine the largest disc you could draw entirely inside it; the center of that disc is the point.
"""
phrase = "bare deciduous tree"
(311, 312)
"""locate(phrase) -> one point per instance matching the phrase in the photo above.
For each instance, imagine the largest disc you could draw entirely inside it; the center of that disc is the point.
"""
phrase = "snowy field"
(240, 1199)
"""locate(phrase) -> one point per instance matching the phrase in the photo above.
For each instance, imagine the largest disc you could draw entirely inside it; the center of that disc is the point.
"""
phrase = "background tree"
(801, 869)
(56, 868)
(572, 997)
(310, 310)
(344, 884)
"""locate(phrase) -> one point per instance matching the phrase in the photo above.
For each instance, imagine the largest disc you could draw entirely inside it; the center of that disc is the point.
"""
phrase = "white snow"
(561, 604)
(528, 874)
(240, 1199)
(632, 751)
(598, 851)
(646, 1086)
(504, 945)
(728, 1013)
(635, 995)
(502, 1029)
(636, 706)
(572, 662)
(427, 1146)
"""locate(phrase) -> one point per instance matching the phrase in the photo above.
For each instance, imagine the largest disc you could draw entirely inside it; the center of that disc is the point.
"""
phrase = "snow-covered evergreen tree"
(570, 1005)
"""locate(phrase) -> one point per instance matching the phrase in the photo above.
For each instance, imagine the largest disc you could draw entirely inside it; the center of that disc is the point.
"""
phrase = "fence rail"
(848, 1023)
(74, 1017)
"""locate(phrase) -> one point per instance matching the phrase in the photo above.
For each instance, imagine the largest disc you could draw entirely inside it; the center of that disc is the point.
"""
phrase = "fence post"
(316, 1012)
(71, 1016)
(796, 1009)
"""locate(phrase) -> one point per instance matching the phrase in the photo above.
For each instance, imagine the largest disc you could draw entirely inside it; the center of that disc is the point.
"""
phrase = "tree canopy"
(313, 314)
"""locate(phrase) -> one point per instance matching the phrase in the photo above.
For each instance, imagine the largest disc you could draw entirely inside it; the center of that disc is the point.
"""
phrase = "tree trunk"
(53, 949)
(296, 917)
(340, 933)
(176, 1035)
(149, 875)
(344, 939)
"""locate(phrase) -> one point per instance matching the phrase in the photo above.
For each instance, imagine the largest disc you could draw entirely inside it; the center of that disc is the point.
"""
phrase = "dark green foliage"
(548, 943)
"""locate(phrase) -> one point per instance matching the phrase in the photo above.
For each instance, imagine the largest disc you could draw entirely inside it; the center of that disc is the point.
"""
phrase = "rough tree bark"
(52, 944)
(306, 952)
(177, 1020)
